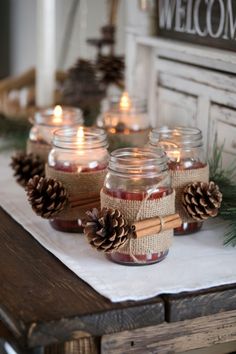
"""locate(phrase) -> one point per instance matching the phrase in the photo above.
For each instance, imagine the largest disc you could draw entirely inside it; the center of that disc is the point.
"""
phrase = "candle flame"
(172, 150)
(125, 102)
(57, 119)
(175, 155)
(80, 135)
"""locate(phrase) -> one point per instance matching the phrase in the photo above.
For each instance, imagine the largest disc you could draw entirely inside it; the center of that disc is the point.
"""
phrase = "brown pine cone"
(82, 89)
(201, 200)
(47, 196)
(106, 230)
(111, 68)
(26, 166)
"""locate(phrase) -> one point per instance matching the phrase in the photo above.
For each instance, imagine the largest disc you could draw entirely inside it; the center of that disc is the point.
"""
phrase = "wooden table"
(45, 308)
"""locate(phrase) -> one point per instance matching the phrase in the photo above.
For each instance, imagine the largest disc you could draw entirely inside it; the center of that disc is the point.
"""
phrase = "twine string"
(130, 239)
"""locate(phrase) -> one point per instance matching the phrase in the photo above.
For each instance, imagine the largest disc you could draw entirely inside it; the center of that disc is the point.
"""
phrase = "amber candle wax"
(80, 153)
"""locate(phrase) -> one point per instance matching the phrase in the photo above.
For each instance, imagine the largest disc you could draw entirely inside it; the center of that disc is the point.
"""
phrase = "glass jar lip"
(176, 137)
(68, 138)
(138, 161)
(44, 117)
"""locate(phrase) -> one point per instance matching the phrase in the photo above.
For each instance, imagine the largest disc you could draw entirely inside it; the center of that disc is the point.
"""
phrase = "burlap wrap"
(79, 185)
(40, 149)
(180, 178)
(156, 243)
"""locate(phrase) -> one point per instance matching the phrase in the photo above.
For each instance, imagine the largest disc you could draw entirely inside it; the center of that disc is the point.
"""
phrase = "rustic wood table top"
(42, 302)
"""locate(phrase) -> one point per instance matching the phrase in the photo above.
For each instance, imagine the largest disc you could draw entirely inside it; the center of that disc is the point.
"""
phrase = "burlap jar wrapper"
(40, 149)
(78, 185)
(180, 178)
(148, 245)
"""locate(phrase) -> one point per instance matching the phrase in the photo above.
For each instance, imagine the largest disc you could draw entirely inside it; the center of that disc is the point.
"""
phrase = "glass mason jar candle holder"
(79, 160)
(187, 164)
(138, 184)
(126, 122)
(45, 122)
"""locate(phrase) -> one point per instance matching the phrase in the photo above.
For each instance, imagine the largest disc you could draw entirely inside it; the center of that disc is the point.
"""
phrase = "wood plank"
(208, 77)
(173, 337)
(221, 60)
(193, 88)
(200, 303)
(44, 302)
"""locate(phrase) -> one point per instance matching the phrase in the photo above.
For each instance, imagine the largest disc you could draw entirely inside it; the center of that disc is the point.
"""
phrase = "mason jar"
(45, 122)
(138, 183)
(78, 159)
(187, 164)
(125, 120)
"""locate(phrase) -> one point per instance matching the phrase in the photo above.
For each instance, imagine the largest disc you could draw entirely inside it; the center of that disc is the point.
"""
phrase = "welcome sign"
(209, 22)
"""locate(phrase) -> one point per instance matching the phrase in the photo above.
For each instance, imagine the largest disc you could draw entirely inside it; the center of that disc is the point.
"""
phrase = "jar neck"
(80, 138)
(138, 162)
(179, 138)
(135, 105)
(69, 116)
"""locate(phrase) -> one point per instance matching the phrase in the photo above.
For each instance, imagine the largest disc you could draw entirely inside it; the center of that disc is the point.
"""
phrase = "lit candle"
(45, 122)
(57, 115)
(136, 183)
(126, 122)
(79, 159)
(46, 63)
(187, 164)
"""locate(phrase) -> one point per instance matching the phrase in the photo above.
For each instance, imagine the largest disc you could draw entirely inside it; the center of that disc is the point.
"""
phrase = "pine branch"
(14, 134)
(225, 178)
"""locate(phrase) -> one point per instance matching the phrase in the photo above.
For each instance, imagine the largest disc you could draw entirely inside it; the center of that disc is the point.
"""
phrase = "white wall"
(23, 30)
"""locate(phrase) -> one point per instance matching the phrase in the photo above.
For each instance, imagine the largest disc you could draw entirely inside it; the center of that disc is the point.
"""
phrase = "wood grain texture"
(85, 345)
(173, 337)
(200, 303)
(43, 302)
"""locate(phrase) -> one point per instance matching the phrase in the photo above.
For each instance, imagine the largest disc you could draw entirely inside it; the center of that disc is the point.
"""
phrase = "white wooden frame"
(202, 77)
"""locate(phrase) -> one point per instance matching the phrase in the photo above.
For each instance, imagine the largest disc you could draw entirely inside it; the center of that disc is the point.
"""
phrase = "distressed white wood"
(220, 96)
(175, 108)
(192, 53)
(184, 83)
(202, 75)
(203, 109)
(222, 125)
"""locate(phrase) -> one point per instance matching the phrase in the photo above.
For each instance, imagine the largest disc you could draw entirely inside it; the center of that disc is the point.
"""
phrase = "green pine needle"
(14, 134)
(225, 179)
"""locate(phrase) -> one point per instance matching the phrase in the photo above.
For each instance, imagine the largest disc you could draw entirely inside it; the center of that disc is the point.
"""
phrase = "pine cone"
(111, 68)
(201, 200)
(47, 196)
(82, 89)
(107, 230)
(26, 166)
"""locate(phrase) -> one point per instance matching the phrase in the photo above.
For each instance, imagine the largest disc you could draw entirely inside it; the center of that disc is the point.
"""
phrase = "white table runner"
(195, 262)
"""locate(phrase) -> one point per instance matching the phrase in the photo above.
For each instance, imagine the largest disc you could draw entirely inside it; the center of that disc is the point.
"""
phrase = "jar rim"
(137, 104)
(138, 161)
(69, 138)
(44, 117)
(176, 137)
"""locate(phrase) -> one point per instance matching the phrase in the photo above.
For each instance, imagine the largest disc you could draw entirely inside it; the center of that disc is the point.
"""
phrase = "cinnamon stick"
(139, 225)
(153, 226)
